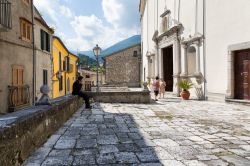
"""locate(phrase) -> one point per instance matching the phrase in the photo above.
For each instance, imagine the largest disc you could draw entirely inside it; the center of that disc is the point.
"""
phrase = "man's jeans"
(86, 98)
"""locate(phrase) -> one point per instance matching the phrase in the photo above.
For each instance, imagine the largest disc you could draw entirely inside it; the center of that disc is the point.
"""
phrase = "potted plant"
(185, 85)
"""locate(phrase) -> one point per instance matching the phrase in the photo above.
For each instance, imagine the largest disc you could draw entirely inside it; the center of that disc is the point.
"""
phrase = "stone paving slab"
(170, 132)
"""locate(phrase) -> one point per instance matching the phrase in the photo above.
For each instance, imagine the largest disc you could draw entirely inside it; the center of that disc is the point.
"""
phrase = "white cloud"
(46, 6)
(113, 10)
(81, 32)
(66, 11)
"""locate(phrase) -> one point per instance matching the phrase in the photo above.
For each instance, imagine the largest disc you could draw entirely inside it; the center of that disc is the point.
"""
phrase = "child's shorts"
(156, 92)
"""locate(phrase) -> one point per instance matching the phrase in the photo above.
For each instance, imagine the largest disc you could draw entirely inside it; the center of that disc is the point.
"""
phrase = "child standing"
(156, 87)
(162, 88)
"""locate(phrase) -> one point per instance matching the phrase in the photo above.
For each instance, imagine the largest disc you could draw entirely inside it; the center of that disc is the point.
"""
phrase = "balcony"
(19, 96)
(5, 15)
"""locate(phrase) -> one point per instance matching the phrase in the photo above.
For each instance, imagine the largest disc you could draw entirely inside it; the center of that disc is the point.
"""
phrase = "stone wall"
(43, 57)
(123, 68)
(136, 97)
(24, 131)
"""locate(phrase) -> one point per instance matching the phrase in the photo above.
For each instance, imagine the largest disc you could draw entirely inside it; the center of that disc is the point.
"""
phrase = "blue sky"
(83, 23)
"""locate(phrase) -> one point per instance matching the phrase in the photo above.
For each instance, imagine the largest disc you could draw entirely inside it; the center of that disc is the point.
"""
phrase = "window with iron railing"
(5, 15)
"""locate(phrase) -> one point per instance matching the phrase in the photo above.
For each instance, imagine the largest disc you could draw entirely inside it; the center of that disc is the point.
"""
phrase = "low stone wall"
(121, 97)
(23, 131)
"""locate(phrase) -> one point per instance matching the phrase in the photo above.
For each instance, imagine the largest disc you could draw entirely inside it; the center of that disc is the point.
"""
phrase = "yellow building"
(64, 69)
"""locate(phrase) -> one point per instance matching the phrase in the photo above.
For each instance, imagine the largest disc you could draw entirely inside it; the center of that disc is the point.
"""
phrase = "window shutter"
(45, 77)
(68, 64)
(64, 65)
(14, 76)
(20, 76)
(42, 40)
(23, 29)
(28, 32)
(47, 42)
(60, 61)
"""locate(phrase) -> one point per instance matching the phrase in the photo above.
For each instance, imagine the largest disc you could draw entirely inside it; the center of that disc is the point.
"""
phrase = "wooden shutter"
(14, 76)
(47, 42)
(68, 64)
(42, 39)
(60, 61)
(61, 83)
(45, 77)
(28, 31)
(23, 30)
(64, 65)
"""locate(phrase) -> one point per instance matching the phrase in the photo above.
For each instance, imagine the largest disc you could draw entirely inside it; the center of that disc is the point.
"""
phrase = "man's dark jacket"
(77, 86)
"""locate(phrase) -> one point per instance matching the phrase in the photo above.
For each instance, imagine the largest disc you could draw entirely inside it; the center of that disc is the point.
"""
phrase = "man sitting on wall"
(77, 90)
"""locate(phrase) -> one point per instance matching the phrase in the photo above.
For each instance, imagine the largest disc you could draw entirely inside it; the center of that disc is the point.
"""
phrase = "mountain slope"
(122, 45)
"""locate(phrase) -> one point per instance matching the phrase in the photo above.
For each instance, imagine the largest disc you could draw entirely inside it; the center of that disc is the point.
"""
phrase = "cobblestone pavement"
(170, 132)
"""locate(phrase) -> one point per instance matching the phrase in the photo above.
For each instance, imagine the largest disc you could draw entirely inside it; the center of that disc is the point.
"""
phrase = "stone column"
(149, 66)
(160, 64)
(156, 60)
(197, 60)
(177, 62)
(185, 60)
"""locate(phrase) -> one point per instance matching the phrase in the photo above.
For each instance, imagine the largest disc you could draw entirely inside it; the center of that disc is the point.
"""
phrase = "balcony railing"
(19, 96)
(5, 15)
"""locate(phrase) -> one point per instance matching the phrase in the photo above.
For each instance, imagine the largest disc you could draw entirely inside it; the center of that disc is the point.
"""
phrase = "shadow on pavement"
(99, 138)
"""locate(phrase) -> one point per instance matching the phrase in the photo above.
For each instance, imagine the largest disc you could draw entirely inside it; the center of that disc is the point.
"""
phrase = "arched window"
(191, 53)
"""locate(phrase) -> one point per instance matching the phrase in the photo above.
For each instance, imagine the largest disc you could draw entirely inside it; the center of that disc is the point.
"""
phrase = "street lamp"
(97, 52)
(101, 65)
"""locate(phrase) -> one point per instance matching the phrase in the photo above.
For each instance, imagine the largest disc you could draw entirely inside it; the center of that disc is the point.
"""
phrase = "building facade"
(197, 40)
(16, 52)
(123, 67)
(89, 78)
(43, 37)
(64, 69)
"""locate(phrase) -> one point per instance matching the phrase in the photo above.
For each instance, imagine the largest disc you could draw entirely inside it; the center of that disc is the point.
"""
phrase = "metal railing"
(5, 14)
(19, 96)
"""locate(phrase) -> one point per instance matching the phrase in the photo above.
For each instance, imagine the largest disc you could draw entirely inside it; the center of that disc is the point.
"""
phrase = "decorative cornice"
(196, 38)
(155, 36)
(171, 31)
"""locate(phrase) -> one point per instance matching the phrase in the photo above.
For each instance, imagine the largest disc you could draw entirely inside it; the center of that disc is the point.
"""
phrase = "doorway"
(168, 68)
(242, 74)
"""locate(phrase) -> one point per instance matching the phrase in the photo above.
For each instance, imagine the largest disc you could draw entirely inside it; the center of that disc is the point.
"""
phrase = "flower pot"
(185, 95)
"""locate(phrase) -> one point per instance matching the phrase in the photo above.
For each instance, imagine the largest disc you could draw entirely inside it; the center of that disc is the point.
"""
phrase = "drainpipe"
(34, 56)
(204, 49)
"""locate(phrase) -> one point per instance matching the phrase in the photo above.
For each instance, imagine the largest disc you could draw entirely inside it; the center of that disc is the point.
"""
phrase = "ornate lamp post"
(97, 52)
(101, 68)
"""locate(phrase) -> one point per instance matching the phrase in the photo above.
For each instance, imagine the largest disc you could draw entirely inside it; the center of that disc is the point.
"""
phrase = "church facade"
(204, 41)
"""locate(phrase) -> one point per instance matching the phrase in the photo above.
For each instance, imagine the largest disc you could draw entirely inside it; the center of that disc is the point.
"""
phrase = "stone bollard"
(44, 100)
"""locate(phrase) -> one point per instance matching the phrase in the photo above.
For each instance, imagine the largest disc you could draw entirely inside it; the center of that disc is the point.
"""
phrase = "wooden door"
(242, 75)
(18, 82)
(168, 68)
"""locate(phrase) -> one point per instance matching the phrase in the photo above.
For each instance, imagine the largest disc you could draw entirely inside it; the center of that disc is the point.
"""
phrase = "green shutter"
(42, 39)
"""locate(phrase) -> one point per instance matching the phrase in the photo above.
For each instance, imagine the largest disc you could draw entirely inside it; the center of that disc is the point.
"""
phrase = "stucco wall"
(58, 47)
(14, 51)
(226, 25)
(123, 68)
(43, 59)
